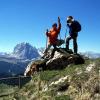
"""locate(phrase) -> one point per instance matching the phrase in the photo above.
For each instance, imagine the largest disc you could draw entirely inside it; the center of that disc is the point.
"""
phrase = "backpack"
(77, 26)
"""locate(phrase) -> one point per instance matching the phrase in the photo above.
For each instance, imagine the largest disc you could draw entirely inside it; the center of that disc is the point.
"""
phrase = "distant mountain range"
(24, 51)
(12, 64)
(91, 54)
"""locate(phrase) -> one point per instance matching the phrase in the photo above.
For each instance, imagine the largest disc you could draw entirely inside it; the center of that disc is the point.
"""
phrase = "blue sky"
(27, 20)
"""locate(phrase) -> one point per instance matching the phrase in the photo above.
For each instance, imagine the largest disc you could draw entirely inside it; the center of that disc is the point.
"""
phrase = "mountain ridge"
(25, 50)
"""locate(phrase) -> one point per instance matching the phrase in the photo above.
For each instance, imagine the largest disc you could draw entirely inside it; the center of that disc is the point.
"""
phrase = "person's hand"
(47, 30)
(47, 33)
(59, 19)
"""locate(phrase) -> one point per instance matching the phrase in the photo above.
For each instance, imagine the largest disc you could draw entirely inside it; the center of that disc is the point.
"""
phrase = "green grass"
(6, 89)
(62, 97)
(69, 70)
(7, 92)
(48, 75)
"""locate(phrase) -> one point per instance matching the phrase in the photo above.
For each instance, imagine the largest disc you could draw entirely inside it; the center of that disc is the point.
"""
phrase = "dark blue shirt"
(73, 28)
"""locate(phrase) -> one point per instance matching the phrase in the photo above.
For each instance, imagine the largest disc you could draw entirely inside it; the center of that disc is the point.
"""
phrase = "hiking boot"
(51, 57)
(75, 53)
(69, 50)
(66, 49)
(42, 57)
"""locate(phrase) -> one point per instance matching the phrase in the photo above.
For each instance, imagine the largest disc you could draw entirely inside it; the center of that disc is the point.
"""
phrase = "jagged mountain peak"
(25, 50)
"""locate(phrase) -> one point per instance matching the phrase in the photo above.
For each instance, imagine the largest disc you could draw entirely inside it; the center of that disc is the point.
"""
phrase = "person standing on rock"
(52, 36)
(74, 27)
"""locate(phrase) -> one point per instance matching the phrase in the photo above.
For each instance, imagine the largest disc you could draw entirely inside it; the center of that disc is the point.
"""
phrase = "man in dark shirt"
(74, 27)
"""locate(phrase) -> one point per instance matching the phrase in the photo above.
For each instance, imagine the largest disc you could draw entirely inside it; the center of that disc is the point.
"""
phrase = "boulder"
(58, 62)
(34, 66)
(61, 60)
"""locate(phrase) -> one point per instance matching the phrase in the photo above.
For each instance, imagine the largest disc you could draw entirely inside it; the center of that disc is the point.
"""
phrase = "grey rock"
(58, 62)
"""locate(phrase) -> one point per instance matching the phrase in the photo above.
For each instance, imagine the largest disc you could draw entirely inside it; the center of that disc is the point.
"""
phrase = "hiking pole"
(59, 41)
(65, 33)
(59, 36)
(59, 32)
(65, 36)
(46, 39)
(46, 42)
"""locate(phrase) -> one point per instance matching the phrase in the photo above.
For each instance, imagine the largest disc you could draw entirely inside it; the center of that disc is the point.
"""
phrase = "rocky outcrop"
(59, 61)
(35, 66)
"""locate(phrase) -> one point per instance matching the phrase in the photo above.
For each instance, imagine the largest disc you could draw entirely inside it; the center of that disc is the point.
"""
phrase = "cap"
(69, 19)
(55, 24)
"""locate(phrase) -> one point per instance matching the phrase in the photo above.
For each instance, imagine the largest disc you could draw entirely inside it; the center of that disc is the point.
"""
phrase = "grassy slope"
(82, 85)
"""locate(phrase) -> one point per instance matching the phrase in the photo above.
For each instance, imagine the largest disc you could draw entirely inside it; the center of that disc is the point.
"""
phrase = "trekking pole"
(59, 32)
(65, 33)
(65, 36)
(59, 36)
(46, 40)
